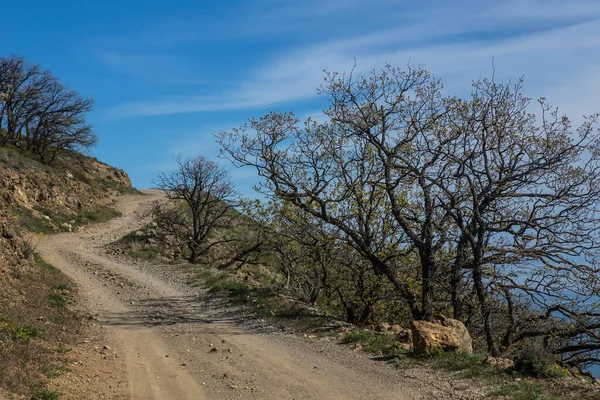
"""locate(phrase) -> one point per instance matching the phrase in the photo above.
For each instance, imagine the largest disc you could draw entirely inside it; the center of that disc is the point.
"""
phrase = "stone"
(406, 346)
(8, 233)
(403, 335)
(396, 329)
(464, 338)
(502, 363)
(427, 336)
(383, 327)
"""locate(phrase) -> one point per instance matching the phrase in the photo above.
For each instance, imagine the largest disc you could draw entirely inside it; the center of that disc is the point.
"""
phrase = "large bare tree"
(496, 203)
(347, 171)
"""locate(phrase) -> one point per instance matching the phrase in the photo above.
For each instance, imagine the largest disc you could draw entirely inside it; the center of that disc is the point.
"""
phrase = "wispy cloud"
(160, 68)
(547, 41)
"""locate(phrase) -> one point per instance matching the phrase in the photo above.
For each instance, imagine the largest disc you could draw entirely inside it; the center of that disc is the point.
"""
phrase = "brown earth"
(161, 339)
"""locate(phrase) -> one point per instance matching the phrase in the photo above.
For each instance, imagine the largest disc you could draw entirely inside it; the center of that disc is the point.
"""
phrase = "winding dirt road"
(177, 345)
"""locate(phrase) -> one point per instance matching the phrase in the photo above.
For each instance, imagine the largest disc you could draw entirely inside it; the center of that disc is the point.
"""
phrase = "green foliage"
(137, 246)
(57, 300)
(235, 289)
(530, 365)
(359, 336)
(30, 354)
(450, 360)
(47, 266)
(31, 223)
(9, 331)
(45, 394)
(521, 391)
(25, 218)
(53, 370)
(100, 213)
(146, 253)
(62, 349)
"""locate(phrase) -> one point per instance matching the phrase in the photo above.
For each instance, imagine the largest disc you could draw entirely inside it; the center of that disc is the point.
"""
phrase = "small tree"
(202, 197)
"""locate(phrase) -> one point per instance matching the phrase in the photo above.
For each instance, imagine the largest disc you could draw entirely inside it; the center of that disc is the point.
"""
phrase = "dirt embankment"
(36, 327)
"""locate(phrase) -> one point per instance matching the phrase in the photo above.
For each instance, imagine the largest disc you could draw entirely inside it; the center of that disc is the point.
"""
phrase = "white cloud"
(457, 42)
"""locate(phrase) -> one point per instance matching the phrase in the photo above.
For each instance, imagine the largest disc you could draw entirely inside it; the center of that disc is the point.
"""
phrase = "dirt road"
(175, 345)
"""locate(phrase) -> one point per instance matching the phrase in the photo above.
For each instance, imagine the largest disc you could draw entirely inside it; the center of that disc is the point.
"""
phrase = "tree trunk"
(456, 279)
(485, 311)
(193, 259)
(428, 267)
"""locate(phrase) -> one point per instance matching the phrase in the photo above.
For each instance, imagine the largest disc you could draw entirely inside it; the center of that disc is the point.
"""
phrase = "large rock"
(427, 336)
(448, 335)
(464, 339)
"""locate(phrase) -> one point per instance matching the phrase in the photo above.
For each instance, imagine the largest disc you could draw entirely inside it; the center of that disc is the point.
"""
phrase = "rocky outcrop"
(449, 335)
(79, 182)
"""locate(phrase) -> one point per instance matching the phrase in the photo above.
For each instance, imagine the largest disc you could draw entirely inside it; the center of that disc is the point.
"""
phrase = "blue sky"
(166, 75)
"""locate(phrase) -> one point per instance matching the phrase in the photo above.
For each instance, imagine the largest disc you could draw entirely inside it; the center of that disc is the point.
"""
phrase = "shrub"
(235, 289)
(536, 361)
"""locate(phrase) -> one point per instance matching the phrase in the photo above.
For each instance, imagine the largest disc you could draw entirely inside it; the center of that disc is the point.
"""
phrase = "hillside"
(36, 325)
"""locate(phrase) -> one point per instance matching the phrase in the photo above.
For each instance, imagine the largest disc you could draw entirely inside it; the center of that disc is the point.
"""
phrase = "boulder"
(464, 339)
(428, 336)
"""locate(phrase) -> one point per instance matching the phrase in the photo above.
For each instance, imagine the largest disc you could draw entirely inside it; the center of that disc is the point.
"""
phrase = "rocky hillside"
(35, 200)
(40, 198)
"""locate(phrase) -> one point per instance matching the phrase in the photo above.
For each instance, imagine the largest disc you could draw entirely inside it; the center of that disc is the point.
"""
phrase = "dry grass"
(35, 332)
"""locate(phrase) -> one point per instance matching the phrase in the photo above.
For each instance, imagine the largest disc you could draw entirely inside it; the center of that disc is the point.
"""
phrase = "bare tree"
(58, 123)
(18, 80)
(39, 113)
(203, 197)
(361, 172)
